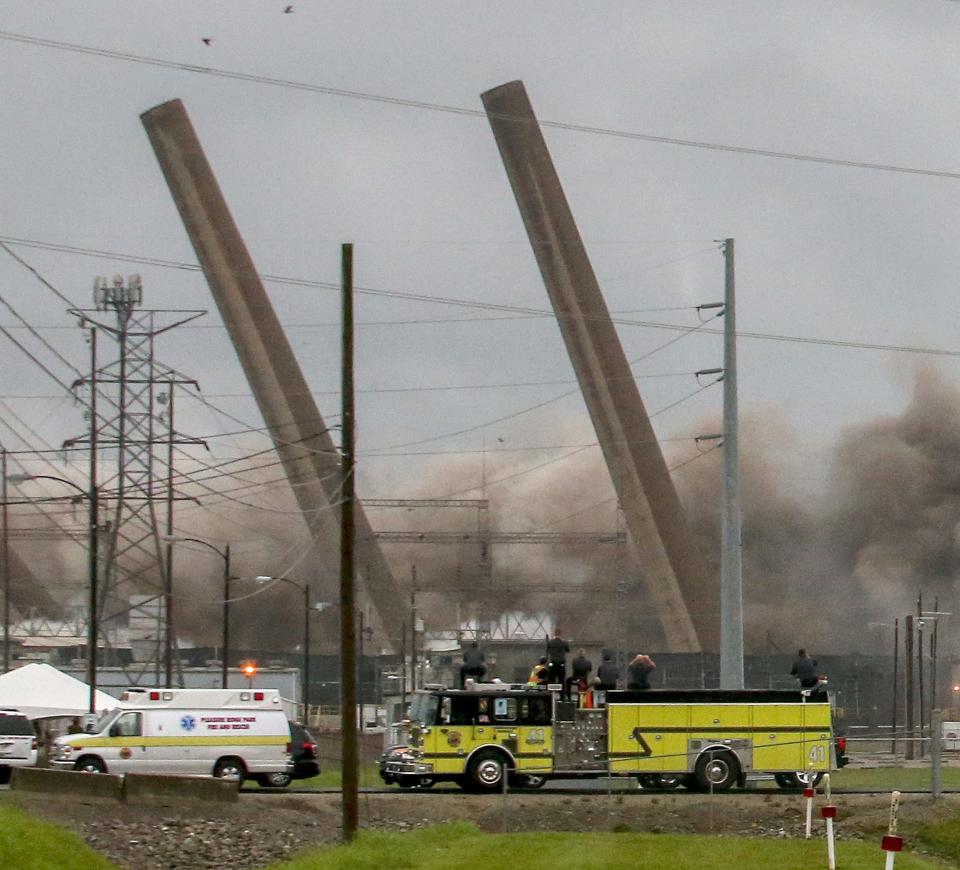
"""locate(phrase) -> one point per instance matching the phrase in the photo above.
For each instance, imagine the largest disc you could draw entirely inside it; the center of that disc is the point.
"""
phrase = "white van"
(18, 742)
(231, 733)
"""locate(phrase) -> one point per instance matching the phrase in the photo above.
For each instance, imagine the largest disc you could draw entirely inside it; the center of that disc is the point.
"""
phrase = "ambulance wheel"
(487, 771)
(717, 771)
(800, 779)
(90, 764)
(230, 768)
(274, 780)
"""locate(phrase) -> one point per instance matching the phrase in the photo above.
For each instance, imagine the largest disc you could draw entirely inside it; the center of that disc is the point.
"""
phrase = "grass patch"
(29, 844)
(892, 778)
(943, 839)
(463, 846)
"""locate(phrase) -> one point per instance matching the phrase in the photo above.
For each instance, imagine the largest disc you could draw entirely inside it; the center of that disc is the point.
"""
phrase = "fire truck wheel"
(487, 770)
(89, 764)
(416, 782)
(717, 770)
(527, 780)
(660, 781)
(230, 768)
(800, 779)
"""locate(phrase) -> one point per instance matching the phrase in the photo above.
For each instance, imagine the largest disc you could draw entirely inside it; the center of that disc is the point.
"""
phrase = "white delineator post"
(808, 795)
(829, 813)
(891, 843)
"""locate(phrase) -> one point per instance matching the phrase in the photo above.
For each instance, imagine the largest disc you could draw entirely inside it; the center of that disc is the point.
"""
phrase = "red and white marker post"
(829, 812)
(891, 843)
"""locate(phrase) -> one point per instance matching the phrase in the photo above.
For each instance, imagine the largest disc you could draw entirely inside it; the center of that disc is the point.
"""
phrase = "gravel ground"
(261, 829)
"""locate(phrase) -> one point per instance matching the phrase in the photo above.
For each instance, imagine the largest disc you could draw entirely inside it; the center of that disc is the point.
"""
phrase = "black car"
(305, 762)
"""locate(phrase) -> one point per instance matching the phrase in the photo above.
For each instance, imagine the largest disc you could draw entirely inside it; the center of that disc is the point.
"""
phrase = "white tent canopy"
(40, 691)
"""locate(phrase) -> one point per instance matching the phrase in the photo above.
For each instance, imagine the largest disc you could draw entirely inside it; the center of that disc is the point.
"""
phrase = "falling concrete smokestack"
(303, 442)
(677, 581)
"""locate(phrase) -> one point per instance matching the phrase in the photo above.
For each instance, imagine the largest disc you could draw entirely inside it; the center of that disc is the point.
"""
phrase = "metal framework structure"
(132, 416)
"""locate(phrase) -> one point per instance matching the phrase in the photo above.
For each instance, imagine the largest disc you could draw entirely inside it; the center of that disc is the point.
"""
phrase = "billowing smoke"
(824, 559)
(829, 546)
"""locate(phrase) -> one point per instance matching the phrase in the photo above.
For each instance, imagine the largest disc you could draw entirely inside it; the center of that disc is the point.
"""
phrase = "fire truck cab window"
(505, 709)
(423, 708)
(459, 710)
(535, 711)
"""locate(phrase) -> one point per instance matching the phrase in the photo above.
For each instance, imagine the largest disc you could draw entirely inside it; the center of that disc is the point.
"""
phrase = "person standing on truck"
(639, 671)
(581, 667)
(607, 673)
(805, 670)
(473, 663)
(557, 649)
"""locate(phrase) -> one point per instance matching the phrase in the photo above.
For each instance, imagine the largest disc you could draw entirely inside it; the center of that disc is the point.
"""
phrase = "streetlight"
(320, 605)
(92, 496)
(225, 555)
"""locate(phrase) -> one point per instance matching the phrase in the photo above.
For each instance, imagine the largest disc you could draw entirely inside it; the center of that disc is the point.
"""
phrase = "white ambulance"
(230, 733)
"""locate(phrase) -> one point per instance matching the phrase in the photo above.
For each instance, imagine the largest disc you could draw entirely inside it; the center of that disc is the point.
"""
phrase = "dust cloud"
(833, 548)
(830, 562)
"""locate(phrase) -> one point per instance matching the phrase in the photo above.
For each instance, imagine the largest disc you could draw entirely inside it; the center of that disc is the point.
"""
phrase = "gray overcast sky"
(822, 251)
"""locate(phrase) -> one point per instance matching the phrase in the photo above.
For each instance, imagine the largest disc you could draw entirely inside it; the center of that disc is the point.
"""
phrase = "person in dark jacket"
(607, 673)
(557, 649)
(805, 670)
(639, 671)
(581, 667)
(473, 663)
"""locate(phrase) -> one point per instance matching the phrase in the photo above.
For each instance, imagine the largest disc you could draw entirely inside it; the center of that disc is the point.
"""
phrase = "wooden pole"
(348, 664)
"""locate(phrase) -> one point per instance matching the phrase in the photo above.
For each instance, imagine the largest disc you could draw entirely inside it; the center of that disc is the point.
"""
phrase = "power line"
(453, 388)
(463, 303)
(147, 60)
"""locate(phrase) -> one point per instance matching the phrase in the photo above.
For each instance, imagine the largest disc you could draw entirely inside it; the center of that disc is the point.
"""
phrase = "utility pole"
(6, 568)
(306, 653)
(413, 628)
(908, 685)
(348, 709)
(403, 667)
(920, 666)
(731, 575)
(93, 545)
(168, 639)
(224, 664)
(360, 668)
(896, 643)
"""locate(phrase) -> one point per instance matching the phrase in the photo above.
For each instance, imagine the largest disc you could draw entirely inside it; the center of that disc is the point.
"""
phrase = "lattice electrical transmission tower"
(131, 415)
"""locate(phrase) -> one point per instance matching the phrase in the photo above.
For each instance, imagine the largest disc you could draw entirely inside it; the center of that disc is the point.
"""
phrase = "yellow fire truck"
(703, 739)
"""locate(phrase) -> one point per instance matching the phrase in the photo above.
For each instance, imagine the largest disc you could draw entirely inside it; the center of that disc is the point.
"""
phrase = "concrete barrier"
(148, 788)
(67, 782)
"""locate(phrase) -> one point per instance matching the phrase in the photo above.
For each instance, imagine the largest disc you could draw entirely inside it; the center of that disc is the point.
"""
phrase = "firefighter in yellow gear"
(538, 676)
